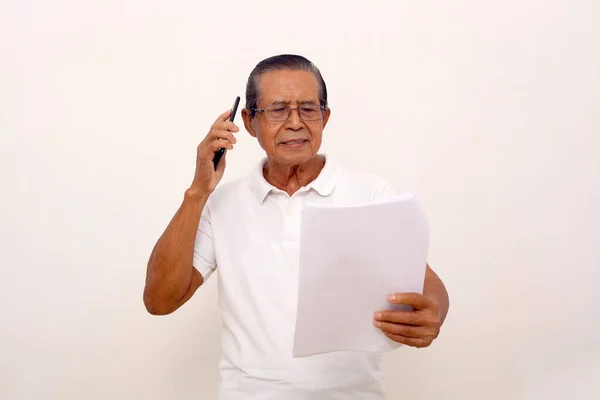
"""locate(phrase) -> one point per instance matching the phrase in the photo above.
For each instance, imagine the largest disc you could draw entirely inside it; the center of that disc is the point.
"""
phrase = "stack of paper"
(351, 258)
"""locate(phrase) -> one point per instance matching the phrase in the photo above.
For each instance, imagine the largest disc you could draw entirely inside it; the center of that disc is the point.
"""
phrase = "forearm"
(170, 271)
(435, 289)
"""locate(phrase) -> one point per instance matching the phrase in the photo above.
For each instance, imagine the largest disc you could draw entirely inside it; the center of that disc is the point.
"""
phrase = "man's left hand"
(416, 328)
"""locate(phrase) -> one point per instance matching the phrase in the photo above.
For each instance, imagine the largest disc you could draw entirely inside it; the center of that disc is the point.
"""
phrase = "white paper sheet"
(351, 258)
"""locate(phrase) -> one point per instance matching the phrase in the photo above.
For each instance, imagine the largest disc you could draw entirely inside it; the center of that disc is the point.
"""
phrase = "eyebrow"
(288, 102)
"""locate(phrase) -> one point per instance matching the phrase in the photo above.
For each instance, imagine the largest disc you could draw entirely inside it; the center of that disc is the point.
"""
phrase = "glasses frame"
(322, 108)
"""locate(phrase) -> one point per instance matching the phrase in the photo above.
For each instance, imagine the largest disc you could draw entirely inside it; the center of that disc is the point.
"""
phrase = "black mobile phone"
(219, 153)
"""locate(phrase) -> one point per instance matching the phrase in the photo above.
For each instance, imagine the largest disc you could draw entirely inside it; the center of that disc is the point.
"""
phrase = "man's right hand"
(219, 136)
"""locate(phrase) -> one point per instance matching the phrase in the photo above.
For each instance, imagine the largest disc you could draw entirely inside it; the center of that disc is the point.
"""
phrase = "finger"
(222, 134)
(223, 117)
(413, 342)
(220, 144)
(226, 126)
(403, 329)
(401, 317)
(416, 300)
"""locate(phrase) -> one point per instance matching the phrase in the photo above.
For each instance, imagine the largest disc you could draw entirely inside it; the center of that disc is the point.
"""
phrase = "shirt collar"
(323, 184)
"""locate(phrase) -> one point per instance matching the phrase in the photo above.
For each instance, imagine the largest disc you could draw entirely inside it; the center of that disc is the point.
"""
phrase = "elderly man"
(249, 231)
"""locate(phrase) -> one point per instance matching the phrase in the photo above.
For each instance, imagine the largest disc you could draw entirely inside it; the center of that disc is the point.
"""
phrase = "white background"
(489, 110)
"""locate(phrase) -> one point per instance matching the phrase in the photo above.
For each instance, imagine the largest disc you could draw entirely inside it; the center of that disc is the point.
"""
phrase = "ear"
(326, 115)
(246, 116)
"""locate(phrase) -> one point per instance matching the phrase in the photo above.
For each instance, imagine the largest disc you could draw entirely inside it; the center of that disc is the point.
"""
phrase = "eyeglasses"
(281, 112)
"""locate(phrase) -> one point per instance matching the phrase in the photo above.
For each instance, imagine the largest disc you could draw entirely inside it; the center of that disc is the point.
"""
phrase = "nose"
(294, 122)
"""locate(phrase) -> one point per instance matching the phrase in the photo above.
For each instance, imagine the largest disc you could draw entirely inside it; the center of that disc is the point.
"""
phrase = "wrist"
(196, 195)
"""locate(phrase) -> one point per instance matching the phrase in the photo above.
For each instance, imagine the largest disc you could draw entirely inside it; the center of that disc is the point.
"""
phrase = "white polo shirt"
(249, 232)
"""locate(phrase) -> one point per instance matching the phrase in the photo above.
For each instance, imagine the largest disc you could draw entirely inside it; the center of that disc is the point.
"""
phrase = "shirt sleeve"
(204, 251)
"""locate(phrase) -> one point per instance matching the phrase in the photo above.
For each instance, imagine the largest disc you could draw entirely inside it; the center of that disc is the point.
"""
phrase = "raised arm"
(171, 279)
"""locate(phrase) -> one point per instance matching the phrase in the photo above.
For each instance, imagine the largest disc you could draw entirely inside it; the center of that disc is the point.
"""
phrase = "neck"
(290, 178)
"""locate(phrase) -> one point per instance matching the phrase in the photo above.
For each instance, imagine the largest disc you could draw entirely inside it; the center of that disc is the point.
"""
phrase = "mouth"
(294, 142)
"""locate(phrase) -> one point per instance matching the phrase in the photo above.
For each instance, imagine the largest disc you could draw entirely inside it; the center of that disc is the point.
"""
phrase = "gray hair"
(289, 62)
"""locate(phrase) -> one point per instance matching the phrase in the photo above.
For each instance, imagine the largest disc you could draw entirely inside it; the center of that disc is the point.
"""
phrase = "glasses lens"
(310, 112)
(277, 113)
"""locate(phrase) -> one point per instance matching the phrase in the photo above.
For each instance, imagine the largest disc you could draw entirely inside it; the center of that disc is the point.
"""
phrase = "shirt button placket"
(288, 225)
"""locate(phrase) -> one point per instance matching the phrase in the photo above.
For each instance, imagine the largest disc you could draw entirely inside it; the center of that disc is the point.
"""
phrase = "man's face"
(293, 141)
